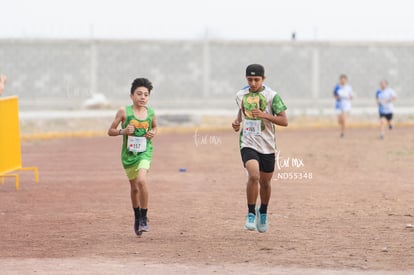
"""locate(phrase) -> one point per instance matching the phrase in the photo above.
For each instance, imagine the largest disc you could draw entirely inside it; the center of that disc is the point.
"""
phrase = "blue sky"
(221, 19)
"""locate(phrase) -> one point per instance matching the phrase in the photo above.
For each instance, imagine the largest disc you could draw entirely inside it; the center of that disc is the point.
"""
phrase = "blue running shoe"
(261, 221)
(250, 222)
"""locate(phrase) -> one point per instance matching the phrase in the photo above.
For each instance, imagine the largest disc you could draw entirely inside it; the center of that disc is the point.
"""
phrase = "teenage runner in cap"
(260, 109)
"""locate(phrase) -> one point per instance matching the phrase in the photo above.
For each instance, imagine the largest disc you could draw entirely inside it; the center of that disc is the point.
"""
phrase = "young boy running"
(138, 127)
(385, 96)
(260, 108)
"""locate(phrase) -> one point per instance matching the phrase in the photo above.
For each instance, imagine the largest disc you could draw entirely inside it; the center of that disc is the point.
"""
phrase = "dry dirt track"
(352, 215)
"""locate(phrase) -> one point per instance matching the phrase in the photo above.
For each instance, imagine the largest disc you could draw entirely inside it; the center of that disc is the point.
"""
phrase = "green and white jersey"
(142, 126)
(256, 133)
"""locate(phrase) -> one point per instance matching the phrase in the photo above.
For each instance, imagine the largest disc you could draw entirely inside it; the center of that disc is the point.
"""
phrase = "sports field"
(339, 206)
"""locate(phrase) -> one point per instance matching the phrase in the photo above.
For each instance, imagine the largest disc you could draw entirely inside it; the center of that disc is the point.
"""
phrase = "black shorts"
(266, 161)
(387, 116)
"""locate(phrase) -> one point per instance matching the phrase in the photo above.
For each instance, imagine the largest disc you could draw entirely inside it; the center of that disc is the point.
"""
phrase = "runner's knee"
(254, 178)
(134, 188)
(265, 184)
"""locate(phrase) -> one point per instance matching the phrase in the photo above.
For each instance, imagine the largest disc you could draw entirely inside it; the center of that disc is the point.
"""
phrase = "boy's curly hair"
(141, 82)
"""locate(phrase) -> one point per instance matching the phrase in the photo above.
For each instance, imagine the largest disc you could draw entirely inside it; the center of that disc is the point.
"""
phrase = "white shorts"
(342, 110)
(342, 107)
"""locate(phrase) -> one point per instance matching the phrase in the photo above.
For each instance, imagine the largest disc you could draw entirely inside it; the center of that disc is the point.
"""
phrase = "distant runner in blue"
(343, 95)
(385, 97)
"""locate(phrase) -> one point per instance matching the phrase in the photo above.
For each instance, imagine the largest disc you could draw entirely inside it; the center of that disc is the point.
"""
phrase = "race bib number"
(137, 144)
(251, 127)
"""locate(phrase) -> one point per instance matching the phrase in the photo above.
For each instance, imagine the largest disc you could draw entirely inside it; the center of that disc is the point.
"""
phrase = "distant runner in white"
(343, 95)
(385, 96)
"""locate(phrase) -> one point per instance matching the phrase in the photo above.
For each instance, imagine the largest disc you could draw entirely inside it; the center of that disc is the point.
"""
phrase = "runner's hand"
(257, 113)
(150, 134)
(236, 125)
(130, 129)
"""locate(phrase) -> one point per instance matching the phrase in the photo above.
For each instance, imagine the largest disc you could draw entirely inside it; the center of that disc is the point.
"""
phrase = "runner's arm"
(236, 122)
(113, 129)
(278, 119)
(151, 133)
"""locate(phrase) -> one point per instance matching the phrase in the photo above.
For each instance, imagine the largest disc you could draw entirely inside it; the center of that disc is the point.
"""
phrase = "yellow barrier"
(10, 151)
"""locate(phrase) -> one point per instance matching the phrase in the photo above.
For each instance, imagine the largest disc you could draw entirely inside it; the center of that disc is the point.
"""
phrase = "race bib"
(251, 127)
(137, 144)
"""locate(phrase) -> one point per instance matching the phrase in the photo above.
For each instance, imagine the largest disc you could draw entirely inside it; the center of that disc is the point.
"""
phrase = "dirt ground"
(339, 206)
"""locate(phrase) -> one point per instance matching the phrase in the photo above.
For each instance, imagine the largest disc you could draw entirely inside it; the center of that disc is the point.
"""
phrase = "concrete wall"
(49, 74)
